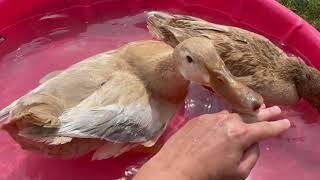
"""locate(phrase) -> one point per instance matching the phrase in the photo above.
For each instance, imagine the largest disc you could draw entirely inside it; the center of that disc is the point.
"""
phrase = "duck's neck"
(164, 78)
(307, 80)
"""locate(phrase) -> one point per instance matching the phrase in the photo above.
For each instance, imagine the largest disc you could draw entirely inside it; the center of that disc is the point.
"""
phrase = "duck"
(252, 58)
(116, 100)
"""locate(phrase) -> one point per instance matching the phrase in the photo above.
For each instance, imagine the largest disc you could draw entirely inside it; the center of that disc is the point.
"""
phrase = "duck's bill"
(162, 26)
(159, 14)
(165, 17)
(157, 25)
(161, 23)
(241, 98)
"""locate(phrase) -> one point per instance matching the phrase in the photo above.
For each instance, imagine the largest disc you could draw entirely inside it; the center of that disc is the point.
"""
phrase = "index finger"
(263, 130)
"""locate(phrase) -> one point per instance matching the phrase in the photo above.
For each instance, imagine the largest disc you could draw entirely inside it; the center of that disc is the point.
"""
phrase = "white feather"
(117, 123)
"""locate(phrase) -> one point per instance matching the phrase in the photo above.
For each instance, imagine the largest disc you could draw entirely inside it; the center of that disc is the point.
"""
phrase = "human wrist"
(162, 168)
(157, 170)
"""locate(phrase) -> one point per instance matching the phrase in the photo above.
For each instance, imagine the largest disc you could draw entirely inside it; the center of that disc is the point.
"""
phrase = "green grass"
(307, 9)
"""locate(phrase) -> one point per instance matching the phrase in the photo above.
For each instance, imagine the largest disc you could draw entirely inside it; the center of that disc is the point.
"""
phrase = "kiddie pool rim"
(266, 17)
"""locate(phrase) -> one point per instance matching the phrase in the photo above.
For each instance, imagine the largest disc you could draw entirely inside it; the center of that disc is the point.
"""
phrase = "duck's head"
(198, 62)
(174, 28)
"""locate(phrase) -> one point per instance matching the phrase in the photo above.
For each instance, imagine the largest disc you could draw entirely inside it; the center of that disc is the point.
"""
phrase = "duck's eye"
(103, 83)
(189, 59)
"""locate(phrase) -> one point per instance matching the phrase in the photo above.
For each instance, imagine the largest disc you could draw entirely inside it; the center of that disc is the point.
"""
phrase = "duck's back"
(71, 86)
(145, 51)
(240, 49)
(44, 104)
(245, 52)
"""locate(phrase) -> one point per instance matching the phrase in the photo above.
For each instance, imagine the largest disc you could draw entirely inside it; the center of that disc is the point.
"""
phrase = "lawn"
(307, 9)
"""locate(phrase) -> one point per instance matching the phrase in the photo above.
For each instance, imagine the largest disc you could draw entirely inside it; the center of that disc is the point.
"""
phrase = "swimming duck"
(115, 100)
(251, 58)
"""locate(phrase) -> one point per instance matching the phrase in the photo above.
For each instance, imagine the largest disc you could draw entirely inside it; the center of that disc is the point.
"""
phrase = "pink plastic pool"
(39, 36)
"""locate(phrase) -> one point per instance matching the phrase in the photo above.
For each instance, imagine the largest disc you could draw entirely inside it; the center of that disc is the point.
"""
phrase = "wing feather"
(122, 110)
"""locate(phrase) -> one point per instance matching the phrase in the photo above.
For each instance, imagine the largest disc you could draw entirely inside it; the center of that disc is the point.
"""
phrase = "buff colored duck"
(116, 100)
(253, 59)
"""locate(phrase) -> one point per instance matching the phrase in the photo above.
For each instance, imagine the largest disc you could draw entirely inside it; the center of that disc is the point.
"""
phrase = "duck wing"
(123, 110)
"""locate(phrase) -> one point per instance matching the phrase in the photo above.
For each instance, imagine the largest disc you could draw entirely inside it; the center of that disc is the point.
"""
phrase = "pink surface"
(43, 35)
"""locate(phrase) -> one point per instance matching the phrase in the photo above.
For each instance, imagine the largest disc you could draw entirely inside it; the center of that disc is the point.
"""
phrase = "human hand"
(214, 146)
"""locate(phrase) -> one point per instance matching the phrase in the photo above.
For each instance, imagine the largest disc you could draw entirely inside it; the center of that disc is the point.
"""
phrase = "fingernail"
(286, 122)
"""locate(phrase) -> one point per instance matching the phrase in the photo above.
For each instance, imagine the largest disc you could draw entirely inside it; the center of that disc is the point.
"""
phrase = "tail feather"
(4, 113)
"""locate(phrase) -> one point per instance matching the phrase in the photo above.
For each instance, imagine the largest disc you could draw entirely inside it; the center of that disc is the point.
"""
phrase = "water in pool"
(55, 41)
